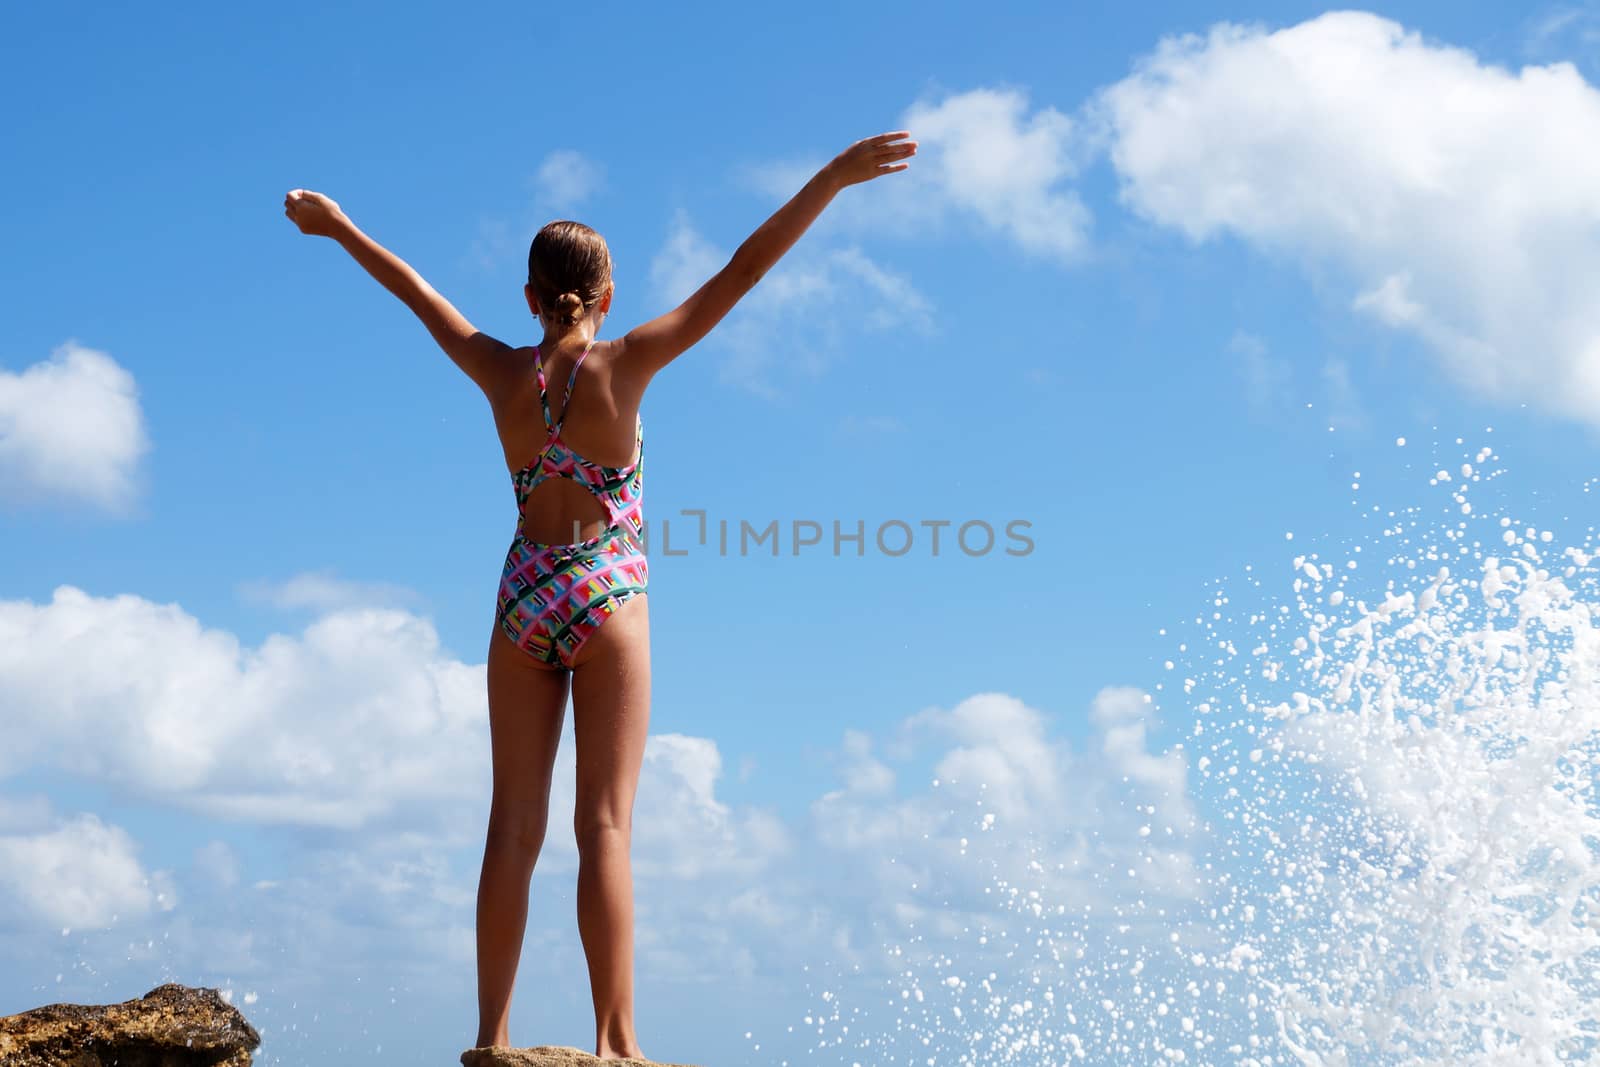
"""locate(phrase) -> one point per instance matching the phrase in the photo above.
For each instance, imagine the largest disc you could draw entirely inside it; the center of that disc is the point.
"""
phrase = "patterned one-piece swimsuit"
(554, 597)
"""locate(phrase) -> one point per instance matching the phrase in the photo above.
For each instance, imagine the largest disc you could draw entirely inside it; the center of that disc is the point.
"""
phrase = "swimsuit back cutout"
(620, 489)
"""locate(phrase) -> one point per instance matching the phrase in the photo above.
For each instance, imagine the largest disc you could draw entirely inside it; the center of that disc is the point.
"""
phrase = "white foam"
(1432, 787)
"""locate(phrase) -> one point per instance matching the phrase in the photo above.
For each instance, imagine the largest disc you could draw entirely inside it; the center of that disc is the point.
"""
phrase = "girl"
(572, 606)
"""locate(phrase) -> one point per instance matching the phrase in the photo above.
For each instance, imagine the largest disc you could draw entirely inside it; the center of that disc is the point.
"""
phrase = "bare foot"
(613, 1054)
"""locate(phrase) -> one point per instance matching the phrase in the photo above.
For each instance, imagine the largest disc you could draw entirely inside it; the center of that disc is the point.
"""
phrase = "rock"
(547, 1056)
(171, 1026)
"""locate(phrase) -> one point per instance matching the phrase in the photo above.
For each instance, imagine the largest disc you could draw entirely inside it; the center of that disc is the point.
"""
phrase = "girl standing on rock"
(572, 605)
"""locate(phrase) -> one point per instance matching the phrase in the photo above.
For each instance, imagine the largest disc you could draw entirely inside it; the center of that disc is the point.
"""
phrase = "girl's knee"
(519, 835)
(596, 828)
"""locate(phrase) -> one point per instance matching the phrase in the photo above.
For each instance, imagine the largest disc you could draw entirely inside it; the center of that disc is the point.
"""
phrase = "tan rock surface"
(547, 1056)
(171, 1026)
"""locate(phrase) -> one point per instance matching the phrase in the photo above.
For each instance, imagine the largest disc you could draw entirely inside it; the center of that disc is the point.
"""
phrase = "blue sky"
(1159, 298)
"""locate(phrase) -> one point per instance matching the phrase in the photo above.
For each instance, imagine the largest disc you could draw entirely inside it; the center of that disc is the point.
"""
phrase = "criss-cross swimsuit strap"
(572, 381)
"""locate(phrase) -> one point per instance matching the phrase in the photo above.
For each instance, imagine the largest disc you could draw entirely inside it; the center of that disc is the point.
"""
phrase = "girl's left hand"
(871, 158)
(315, 214)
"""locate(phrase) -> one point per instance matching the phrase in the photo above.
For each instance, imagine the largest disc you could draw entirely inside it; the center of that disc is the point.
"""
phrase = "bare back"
(600, 426)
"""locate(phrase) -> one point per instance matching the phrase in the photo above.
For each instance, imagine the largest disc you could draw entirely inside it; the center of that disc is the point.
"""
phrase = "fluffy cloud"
(563, 181)
(985, 156)
(1124, 716)
(1001, 745)
(985, 161)
(79, 873)
(1456, 199)
(1450, 199)
(371, 745)
(71, 428)
(322, 592)
(684, 263)
(681, 829)
(929, 827)
(357, 718)
(357, 721)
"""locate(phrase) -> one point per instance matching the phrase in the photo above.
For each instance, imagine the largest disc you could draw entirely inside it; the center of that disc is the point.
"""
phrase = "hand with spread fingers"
(316, 215)
(871, 158)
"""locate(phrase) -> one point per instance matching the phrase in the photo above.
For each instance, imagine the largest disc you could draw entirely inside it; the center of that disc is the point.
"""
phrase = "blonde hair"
(569, 270)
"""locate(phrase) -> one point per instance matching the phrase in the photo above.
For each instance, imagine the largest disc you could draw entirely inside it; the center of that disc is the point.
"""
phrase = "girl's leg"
(527, 702)
(610, 714)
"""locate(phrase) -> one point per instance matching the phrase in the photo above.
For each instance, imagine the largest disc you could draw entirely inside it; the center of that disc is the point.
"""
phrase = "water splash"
(1395, 751)
(1418, 823)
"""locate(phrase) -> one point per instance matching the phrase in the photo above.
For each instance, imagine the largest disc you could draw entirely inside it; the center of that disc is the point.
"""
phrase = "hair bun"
(569, 271)
(569, 307)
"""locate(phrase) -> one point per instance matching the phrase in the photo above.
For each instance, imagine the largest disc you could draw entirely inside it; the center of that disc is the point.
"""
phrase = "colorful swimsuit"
(553, 597)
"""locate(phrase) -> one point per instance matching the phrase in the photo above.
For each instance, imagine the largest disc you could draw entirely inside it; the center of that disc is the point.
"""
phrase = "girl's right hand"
(870, 158)
(315, 214)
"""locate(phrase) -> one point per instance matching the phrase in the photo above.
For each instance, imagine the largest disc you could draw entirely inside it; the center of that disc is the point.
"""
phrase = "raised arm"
(485, 360)
(648, 348)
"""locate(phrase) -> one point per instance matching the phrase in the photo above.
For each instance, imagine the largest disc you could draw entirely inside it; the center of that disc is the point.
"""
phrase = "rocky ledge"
(547, 1056)
(171, 1026)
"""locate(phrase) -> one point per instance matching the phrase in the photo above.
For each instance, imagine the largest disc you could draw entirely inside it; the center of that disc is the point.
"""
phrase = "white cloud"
(682, 831)
(1549, 25)
(802, 313)
(1457, 199)
(986, 156)
(355, 719)
(322, 591)
(563, 181)
(898, 301)
(685, 263)
(1028, 808)
(984, 161)
(71, 428)
(860, 772)
(1573, 30)
(80, 873)
(1124, 716)
(359, 719)
(1001, 744)
(359, 728)
(566, 178)
(885, 847)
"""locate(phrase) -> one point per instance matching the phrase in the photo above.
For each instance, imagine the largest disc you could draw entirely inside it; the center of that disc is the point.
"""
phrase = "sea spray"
(1394, 749)
(1407, 762)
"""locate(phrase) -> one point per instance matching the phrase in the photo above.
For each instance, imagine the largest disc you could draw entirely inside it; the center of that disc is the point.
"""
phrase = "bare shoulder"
(624, 377)
(519, 360)
(514, 376)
